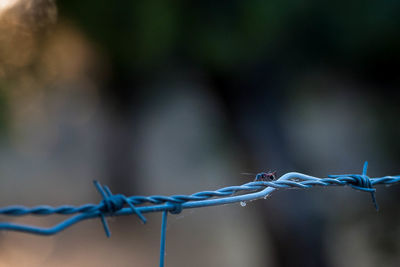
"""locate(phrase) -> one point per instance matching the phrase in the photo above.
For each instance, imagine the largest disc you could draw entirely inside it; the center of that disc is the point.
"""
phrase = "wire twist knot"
(113, 203)
(177, 208)
(361, 182)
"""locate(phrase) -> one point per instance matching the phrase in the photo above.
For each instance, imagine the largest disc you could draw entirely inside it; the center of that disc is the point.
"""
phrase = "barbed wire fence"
(118, 204)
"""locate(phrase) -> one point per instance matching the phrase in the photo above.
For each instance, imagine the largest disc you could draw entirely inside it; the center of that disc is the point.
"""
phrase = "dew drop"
(243, 204)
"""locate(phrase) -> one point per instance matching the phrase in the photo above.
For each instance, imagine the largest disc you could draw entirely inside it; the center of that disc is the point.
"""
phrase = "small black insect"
(265, 176)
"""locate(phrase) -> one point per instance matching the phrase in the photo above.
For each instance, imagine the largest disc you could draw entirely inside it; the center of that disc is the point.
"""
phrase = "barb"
(116, 205)
(111, 204)
(362, 182)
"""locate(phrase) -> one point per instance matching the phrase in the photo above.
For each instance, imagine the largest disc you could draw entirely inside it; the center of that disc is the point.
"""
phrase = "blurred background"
(175, 97)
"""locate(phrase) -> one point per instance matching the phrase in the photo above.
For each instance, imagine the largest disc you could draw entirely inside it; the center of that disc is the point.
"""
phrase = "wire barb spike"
(112, 204)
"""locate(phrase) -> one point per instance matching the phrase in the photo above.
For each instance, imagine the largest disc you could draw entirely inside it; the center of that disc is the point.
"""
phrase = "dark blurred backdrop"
(175, 97)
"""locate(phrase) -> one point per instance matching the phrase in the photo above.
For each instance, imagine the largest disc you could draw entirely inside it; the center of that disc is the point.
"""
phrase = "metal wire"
(116, 205)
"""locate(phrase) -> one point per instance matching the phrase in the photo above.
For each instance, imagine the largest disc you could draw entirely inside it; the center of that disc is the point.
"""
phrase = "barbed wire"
(117, 205)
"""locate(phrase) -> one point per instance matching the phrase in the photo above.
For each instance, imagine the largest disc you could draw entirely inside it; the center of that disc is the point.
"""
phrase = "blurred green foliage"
(224, 34)
(146, 37)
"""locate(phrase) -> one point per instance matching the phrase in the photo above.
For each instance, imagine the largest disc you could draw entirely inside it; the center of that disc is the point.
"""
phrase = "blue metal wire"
(116, 205)
(162, 239)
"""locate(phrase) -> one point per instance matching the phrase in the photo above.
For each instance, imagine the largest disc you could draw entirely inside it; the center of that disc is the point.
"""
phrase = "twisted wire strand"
(116, 205)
